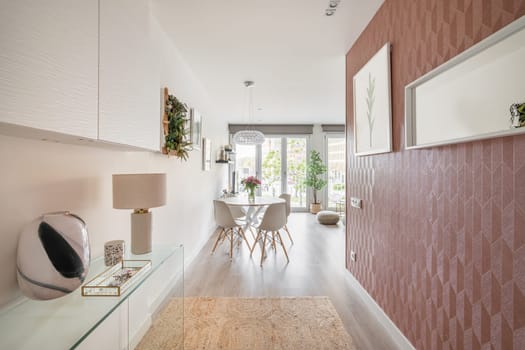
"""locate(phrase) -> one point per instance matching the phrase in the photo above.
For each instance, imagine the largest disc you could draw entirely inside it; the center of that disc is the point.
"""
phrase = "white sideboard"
(74, 321)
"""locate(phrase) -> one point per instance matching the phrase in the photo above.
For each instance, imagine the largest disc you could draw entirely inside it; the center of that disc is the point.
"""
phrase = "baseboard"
(395, 334)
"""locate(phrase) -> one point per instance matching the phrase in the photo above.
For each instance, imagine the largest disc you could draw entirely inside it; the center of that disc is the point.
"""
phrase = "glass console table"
(65, 322)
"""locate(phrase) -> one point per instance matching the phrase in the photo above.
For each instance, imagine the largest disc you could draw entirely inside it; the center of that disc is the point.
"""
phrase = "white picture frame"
(373, 105)
(474, 91)
(195, 128)
(206, 154)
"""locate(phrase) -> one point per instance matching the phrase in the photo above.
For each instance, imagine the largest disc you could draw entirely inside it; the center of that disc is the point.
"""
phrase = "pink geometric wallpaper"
(440, 240)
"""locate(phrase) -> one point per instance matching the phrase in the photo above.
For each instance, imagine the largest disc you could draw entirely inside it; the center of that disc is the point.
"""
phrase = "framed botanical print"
(372, 106)
(195, 128)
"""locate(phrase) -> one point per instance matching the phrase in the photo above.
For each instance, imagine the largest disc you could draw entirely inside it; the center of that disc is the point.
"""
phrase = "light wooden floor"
(316, 268)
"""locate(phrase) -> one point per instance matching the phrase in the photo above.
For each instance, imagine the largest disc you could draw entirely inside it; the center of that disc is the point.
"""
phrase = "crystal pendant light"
(249, 136)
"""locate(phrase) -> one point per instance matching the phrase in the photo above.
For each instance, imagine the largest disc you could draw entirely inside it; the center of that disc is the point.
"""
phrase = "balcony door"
(335, 159)
(280, 163)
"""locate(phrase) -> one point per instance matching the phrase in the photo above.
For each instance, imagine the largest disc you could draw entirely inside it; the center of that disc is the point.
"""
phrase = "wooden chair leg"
(217, 240)
(231, 244)
(273, 241)
(244, 237)
(288, 232)
(255, 242)
(282, 245)
(263, 247)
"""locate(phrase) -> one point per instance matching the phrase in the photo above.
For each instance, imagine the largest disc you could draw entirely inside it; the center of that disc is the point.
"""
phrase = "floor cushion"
(328, 217)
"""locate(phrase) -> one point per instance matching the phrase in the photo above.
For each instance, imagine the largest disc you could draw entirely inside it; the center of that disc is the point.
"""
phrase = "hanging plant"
(176, 130)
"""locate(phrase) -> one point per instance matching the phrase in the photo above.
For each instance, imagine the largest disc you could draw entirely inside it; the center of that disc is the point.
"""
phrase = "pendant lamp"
(249, 136)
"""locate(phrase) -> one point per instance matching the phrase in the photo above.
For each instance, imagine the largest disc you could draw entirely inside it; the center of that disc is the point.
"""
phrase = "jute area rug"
(249, 324)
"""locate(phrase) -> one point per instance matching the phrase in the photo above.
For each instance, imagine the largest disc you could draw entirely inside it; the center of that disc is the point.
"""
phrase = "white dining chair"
(237, 212)
(229, 227)
(240, 216)
(274, 219)
(288, 199)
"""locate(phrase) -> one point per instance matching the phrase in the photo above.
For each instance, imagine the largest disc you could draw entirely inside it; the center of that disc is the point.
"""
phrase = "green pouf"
(328, 217)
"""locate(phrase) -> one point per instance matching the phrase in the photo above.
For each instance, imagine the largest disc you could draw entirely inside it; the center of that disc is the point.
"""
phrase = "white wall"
(38, 177)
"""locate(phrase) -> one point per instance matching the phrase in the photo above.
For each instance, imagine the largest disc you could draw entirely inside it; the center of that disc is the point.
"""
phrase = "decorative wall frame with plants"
(176, 127)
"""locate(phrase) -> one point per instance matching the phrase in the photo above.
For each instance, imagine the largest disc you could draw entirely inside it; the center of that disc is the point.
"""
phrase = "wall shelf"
(228, 154)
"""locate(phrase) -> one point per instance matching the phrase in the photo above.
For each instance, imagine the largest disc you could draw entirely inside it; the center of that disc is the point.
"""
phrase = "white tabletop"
(259, 201)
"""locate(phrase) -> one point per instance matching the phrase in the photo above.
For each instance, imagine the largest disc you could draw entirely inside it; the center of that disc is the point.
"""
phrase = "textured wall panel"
(49, 65)
(441, 236)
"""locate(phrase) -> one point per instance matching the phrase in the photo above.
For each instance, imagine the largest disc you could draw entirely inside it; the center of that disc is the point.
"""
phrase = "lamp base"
(141, 233)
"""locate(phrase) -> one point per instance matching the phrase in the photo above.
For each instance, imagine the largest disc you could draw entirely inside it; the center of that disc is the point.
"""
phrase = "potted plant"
(315, 170)
(176, 138)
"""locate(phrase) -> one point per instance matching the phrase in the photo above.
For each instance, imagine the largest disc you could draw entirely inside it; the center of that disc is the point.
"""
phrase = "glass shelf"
(65, 322)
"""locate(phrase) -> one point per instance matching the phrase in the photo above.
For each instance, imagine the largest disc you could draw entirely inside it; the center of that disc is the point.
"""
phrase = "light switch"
(356, 202)
(353, 255)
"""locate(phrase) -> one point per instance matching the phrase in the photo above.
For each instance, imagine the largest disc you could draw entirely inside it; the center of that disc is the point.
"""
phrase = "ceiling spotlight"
(332, 7)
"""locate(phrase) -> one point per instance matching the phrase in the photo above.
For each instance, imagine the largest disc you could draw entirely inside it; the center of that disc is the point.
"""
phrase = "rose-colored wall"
(440, 240)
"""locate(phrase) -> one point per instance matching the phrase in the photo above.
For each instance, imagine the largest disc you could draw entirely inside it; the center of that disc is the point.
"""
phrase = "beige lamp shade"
(139, 191)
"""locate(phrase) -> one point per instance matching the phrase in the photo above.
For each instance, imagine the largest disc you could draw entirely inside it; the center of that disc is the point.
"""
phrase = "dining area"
(257, 222)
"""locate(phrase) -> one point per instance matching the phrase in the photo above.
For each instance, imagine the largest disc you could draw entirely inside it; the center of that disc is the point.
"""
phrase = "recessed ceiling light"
(332, 7)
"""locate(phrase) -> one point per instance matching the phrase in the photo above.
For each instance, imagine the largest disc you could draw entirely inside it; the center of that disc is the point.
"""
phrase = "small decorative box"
(114, 252)
(117, 279)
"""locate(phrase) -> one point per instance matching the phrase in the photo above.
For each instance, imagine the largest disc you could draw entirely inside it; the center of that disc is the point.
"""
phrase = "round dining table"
(252, 208)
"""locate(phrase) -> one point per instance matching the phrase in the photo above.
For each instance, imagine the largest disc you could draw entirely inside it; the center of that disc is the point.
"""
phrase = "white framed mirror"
(469, 97)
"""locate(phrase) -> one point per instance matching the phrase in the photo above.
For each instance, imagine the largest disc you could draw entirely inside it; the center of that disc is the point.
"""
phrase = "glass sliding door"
(296, 153)
(245, 164)
(271, 164)
(280, 163)
(335, 156)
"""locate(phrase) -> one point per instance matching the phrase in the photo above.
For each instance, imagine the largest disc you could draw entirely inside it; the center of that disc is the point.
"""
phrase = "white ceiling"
(293, 52)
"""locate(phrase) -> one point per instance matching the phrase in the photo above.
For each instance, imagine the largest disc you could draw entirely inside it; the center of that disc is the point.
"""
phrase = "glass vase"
(251, 194)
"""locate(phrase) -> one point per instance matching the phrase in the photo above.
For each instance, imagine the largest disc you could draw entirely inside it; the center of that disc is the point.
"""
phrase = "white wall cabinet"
(48, 65)
(87, 69)
(130, 95)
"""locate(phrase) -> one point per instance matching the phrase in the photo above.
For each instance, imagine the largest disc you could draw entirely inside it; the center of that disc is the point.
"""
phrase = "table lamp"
(139, 192)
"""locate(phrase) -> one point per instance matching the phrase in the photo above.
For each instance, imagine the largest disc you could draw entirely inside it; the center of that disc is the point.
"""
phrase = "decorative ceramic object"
(517, 112)
(114, 252)
(53, 256)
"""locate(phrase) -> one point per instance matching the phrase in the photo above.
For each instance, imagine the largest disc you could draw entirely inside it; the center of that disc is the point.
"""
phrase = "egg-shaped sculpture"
(53, 256)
